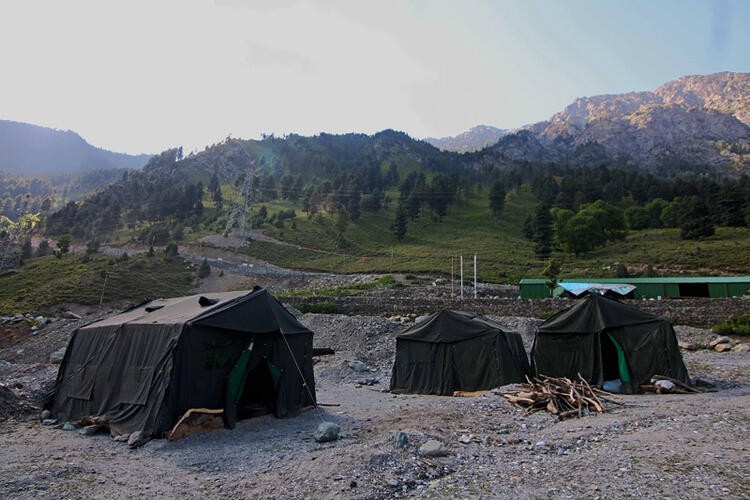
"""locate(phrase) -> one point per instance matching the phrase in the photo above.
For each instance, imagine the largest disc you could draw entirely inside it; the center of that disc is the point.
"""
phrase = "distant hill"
(477, 138)
(695, 121)
(30, 149)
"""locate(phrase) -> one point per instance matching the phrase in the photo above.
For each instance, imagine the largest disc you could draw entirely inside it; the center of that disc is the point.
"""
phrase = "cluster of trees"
(566, 215)
(416, 194)
(160, 193)
(21, 195)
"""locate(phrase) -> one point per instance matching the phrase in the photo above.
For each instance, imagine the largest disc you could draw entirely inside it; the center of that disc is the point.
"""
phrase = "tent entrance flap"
(237, 376)
(622, 364)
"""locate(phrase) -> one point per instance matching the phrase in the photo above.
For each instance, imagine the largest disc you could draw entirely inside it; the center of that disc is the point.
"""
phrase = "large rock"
(56, 357)
(433, 448)
(723, 347)
(327, 431)
(359, 366)
(741, 348)
(720, 340)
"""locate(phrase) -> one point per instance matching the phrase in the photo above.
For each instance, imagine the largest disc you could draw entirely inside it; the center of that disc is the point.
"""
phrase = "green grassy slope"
(503, 254)
(47, 281)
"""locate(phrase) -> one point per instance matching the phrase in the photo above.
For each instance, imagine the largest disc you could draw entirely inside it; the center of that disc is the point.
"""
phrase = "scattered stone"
(433, 448)
(4, 363)
(49, 421)
(327, 431)
(688, 346)
(723, 347)
(420, 319)
(359, 366)
(90, 430)
(46, 414)
(401, 439)
(56, 357)
(122, 438)
(369, 381)
(720, 340)
(464, 438)
(741, 348)
(70, 315)
(68, 426)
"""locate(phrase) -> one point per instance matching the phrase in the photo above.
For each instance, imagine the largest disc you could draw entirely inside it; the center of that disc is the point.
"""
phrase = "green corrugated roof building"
(713, 287)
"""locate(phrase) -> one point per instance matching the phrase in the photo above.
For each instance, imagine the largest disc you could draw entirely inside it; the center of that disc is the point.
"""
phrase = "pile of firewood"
(559, 396)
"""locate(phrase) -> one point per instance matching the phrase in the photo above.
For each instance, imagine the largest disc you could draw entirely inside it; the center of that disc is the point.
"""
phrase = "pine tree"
(399, 224)
(497, 197)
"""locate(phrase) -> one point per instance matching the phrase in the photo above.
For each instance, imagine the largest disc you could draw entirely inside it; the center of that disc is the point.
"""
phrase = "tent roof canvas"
(595, 313)
(218, 310)
(449, 326)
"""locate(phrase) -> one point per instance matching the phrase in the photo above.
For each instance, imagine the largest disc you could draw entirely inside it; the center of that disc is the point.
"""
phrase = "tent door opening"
(614, 364)
(259, 394)
(251, 387)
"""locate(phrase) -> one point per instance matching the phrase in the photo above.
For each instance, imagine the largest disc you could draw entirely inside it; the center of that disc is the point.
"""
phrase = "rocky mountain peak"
(692, 121)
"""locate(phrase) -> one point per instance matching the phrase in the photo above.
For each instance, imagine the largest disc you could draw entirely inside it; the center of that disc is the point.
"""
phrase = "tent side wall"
(478, 363)
(567, 355)
(422, 368)
(120, 373)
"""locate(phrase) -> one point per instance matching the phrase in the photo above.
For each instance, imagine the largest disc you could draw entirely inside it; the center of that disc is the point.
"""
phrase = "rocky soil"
(681, 446)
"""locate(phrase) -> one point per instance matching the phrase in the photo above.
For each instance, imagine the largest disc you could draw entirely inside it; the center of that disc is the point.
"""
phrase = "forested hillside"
(354, 202)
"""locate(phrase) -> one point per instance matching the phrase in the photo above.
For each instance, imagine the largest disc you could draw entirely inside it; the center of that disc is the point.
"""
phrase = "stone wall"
(695, 312)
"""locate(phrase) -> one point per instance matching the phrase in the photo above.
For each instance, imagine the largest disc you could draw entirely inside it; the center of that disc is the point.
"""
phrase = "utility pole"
(452, 274)
(242, 207)
(462, 278)
(475, 276)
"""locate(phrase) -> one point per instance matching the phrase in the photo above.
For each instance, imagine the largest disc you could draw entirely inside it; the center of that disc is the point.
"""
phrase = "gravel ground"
(680, 446)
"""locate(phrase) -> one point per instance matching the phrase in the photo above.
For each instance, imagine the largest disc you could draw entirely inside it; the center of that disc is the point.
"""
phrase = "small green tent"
(603, 339)
(240, 352)
(457, 351)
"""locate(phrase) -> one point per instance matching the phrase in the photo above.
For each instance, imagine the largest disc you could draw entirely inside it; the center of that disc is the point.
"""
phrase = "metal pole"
(475, 276)
(451, 276)
(461, 285)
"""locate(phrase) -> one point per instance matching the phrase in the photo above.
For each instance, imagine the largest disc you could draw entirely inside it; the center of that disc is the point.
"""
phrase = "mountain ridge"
(474, 139)
(694, 120)
(29, 149)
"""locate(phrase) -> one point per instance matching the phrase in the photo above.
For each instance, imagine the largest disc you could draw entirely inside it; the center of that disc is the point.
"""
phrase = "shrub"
(387, 280)
(204, 270)
(738, 325)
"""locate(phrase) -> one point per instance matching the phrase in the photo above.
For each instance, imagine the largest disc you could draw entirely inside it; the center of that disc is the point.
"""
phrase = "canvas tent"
(241, 352)
(456, 351)
(603, 339)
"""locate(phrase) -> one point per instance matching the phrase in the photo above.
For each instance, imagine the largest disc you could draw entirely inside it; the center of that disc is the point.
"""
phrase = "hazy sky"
(142, 76)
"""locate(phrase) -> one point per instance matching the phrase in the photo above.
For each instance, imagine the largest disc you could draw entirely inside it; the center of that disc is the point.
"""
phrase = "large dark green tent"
(603, 339)
(457, 351)
(241, 352)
